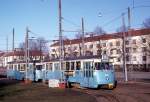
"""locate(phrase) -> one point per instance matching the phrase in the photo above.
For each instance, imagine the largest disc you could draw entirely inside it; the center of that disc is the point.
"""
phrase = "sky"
(41, 17)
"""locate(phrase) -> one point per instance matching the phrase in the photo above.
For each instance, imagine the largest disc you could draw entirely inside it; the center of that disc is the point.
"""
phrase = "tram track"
(103, 95)
(100, 95)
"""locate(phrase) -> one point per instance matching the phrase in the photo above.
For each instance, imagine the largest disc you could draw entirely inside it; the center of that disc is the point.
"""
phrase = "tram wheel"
(115, 84)
(69, 85)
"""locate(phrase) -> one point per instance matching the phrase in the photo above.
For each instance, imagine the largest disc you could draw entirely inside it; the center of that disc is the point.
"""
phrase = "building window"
(99, 52)
(88, 53)
(85, 46)
(111, 51)
(98, 46)
(69, 48)
(53, 55)
(58, 49)
(104, 52)
(127, 42)
(75, 48)
(127, 50)
(134, 49)
(53, 50)
(118, 51)
(144, 58)
(144, 49)
(118, 60)
(143, 40)
(118, 43)
(111, 44)
(127, 58)
(134, 41)
(134, 58)
(104, 44)
(91, 46)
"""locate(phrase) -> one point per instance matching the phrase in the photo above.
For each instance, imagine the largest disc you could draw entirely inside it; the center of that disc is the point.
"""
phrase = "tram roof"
(75, 58)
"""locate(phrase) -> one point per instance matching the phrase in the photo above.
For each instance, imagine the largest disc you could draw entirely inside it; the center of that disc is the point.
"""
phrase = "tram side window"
(22, 67)
(78, 65)
(67, 65)
(56, 66)
(19, 67)
(15, 67)
(38, 67)
(31, 65)
(50, 66)
(72, 65)
(63, 66)
(46, 66)
(43, 66)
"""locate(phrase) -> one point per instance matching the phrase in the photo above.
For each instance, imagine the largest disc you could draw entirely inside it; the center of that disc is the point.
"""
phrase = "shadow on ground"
(37, 92)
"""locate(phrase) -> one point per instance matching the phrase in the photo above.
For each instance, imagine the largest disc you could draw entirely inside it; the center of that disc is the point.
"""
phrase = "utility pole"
(129, 18)
(40, 51)
(133, 3)
(7, 49)
(60, 37)
(83, 48)
(129, 35)
(123, 48)
(13, 44)
(7, 43)
(27, 51)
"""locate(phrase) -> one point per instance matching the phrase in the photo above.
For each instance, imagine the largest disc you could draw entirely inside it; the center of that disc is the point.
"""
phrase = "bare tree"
(121, 28)
(38, 44)
(99, 30)
(22, 46)
(78, 35)
(146, 23)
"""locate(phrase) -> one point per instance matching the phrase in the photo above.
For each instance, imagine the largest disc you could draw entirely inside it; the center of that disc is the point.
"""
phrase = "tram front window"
(97, 65)
(105, 66)
(38, 67)
(78, 65)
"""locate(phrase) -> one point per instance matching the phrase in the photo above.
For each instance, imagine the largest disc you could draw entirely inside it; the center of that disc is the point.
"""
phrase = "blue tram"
(90, 72)
(86, 72)
(17, 70)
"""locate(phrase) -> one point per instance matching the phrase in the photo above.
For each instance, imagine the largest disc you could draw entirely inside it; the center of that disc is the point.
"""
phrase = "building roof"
(1, 54)
(22, 53)
(105, 37)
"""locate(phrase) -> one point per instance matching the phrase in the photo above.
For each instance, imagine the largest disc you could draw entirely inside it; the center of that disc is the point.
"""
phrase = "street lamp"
(99, 14)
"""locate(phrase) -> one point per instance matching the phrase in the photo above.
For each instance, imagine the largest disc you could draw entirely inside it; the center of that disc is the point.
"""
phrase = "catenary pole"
(83, 49)
(124, 51)
(60, 37)
(27, 51)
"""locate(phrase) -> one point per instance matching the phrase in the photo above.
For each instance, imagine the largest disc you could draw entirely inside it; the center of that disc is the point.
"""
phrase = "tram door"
(88, 73)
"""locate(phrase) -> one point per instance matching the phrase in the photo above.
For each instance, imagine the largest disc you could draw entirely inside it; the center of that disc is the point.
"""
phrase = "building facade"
(1, 59)
(18, 56)
(137, 48)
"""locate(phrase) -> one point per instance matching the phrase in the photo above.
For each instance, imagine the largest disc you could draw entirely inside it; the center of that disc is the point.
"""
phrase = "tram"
(17, 70)
(90, 72)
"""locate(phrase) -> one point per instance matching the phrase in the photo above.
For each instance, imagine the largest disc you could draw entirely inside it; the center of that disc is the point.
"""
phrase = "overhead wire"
(76, 25)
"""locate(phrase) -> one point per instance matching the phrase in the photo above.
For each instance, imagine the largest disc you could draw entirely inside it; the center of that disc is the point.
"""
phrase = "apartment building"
(19, 56)
(137, 48)
(1, 59)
